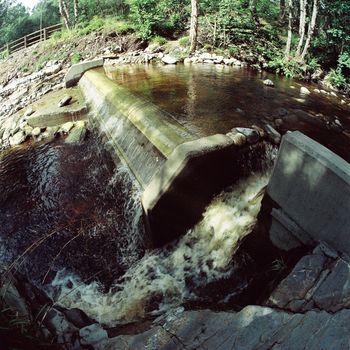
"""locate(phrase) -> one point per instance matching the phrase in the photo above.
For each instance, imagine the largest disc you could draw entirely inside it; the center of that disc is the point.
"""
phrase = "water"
(210, 99)
(65, 206)
(168, 277)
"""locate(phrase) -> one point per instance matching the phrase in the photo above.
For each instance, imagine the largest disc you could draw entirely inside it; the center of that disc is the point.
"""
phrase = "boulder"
(168, 59)
(36, 131)
(65, 101)
(93, 334)
(18, 138)
(268, 82)
(305, 91)
(66, 127)
(251, 135)
(77, 134)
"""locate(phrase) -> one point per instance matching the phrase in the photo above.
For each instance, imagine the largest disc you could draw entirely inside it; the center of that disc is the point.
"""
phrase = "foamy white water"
(206, 250)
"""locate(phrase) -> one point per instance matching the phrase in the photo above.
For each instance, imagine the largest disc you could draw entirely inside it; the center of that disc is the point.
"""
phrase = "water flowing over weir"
(170, 276)
(178, 171)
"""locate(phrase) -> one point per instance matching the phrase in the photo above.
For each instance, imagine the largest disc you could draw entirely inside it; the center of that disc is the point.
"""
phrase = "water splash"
(168, 277)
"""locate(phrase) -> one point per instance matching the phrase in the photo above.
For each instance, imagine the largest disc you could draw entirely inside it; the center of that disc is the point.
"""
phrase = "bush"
(159, 40)
(184, 41)
(75, 58)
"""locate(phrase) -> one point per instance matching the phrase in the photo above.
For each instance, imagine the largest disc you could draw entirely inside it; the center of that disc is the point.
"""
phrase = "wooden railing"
(31, 39)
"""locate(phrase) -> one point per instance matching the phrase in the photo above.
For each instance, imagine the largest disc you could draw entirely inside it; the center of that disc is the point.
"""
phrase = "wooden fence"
(31, 39)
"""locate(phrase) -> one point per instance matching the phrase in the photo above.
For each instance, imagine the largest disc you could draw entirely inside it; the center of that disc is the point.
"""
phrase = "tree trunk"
(252, 7)
(302, 22)
(64, 13)
(290, 28)
(282, 10)
(194, 25)
(310, 30)
(76, 10)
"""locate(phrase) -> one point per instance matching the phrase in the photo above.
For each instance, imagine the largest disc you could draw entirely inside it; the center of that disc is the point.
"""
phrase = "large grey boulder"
(252, 328)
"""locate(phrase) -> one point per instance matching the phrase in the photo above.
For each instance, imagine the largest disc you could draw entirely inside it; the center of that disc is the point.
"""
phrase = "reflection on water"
(68, 206)
(212, 99)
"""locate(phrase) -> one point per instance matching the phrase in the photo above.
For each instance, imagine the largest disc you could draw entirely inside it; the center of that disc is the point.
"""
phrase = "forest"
(298, 38)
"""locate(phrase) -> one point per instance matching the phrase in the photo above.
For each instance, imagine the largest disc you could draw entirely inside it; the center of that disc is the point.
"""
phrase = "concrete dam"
(178, 171)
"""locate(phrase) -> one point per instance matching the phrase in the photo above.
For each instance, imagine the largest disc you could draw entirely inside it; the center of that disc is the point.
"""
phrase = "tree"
(302, 23)
(194, 25)
(290, 29)
(64, 13)
(311, 30)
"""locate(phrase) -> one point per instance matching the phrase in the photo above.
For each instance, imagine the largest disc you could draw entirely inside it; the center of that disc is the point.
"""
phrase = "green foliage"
(75, 58)
(153, 17)
(184, 41)
(159, 40)
(293, 68)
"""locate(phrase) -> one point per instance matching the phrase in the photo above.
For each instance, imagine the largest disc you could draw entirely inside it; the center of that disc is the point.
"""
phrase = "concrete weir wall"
(311, 185)
(178, 173)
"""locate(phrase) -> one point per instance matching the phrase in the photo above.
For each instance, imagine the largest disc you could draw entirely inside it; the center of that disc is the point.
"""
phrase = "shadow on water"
(68, 206)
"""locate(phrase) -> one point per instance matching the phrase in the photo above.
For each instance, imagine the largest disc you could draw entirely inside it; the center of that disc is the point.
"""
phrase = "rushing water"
(168, 277)
(209, 99)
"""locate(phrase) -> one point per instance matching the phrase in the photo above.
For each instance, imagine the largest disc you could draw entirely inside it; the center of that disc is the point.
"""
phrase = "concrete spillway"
(178, 173)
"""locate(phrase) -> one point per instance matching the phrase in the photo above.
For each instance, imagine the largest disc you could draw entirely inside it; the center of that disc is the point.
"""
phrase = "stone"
(311, 184)
(251, 135)
(254, 327)
(12, 299)
(28, 112)
(268, 82)
(298, 283)
(77, 134)
(305, 91)
(334, 293)
(317, 91)
(52, 69)
(18, 138)
(273, 134)
(76, 71)
(78, 318)
(66, 127)
(278, 122)
(65, 101)
(56, 322)
(168, 59)
(92, 335)
(36, 131)
(238, 138)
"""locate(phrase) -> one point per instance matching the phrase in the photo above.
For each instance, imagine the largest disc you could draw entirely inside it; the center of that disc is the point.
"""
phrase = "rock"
(56, 322)
(168, 59)
(334, 293)
(18, 138)
(66, 127)
(65, 101)
(36, 131)
(78, 318)
(333, 94)
(278, 122)
(273, 134)
(254, 327)
(251, 135)
(28, 112)
(305, 91)
(93, 334)
(317, 91)
(13, 299)
(77, 134)
(324, 92)
(187, 60)
(268, 82)
(52, 69)
(238, 138)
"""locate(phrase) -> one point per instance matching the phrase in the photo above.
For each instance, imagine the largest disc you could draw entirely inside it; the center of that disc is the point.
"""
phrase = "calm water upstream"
(211, 99)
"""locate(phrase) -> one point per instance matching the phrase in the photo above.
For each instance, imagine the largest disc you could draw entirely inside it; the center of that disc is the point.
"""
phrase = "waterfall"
(160, 279)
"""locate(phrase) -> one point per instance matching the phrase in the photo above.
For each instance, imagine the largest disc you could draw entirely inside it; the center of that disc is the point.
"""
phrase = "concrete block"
(76, 71)
(311, 184)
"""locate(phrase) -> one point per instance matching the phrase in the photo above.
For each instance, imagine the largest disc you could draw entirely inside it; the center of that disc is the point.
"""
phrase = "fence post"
(45, 33)
(8, 48)
(25, 41)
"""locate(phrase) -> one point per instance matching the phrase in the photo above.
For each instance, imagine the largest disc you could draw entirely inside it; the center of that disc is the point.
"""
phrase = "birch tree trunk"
(311, 29)
(290, 28)
(302, 22)
(64, 12)
(194, 25)
(76, 10)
